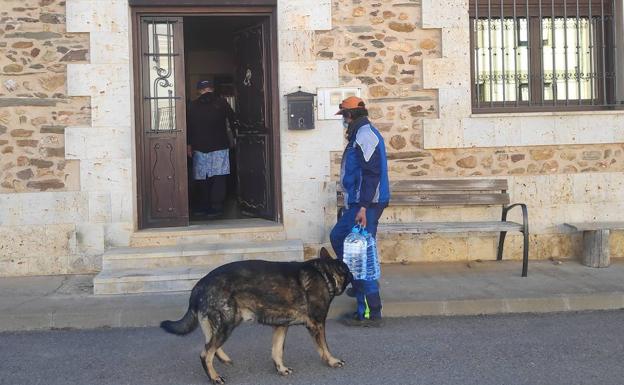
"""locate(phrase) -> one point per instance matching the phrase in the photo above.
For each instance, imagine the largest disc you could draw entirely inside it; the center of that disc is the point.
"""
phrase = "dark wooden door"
(254, 144)
(162, 127)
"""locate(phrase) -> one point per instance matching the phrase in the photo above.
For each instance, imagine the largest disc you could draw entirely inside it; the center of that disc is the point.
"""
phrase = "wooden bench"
(456, 192)
(596, 241)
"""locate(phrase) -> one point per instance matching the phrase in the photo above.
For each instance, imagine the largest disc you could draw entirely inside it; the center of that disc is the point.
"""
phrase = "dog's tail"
(187, 324)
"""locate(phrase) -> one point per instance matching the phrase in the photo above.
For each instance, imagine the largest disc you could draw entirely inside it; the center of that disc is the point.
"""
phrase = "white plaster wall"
(457, 127)
(306, 154)
(105, 149)
(556, 199)
(44, 208)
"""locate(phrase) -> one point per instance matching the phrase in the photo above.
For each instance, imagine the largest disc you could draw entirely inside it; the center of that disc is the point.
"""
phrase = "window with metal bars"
(159, 72)
(543, 55)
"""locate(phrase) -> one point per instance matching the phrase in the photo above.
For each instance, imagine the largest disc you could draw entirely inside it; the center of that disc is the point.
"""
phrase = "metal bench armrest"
(525, 233)
(525, 214)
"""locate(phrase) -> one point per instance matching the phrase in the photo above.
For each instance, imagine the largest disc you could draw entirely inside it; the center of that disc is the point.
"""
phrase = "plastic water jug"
(355, 253)
(373, 269)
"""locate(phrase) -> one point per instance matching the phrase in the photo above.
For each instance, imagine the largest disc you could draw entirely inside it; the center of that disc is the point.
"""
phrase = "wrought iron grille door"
(163, 191)
(253, 155)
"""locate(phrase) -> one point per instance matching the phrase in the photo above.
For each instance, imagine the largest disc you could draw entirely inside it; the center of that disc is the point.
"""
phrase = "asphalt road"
(566, 348)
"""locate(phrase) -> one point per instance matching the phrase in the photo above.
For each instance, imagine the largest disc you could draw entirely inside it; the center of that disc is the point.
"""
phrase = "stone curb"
(139, 311)
(563, 303)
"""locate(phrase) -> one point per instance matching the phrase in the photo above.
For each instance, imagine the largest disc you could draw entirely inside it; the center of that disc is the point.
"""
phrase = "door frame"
(240, 8)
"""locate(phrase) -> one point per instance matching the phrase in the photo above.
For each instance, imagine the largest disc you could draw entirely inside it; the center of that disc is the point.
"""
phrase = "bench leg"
(525, 233)
(501, 243)
(525, 251)
(501, 238)
(596, 248)
(525, 254)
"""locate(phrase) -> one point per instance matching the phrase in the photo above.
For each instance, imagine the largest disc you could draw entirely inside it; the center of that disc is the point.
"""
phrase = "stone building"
(93, 173)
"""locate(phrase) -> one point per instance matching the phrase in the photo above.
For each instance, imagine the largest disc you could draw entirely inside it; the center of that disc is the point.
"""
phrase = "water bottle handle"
(361, 229)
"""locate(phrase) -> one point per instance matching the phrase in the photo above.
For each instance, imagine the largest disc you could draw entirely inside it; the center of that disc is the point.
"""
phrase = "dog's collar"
(330, 287)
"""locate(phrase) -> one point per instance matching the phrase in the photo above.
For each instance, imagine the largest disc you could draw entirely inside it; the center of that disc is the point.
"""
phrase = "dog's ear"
(324, 254)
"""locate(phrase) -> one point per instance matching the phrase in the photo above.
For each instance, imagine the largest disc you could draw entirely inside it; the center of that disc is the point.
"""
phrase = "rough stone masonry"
(34, 107)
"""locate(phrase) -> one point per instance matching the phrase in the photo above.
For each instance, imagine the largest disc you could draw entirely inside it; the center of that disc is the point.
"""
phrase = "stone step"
(220, 231)
(178, 268)
(135, 281)
(200, 254)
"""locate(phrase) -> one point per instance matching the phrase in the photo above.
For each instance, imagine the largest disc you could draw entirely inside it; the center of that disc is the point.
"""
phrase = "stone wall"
(34, 107)
(380, 46)
(65, 169)
(501, 161)
(412, 60)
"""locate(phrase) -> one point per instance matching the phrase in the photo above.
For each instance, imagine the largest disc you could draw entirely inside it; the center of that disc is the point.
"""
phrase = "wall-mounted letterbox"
(300, 110)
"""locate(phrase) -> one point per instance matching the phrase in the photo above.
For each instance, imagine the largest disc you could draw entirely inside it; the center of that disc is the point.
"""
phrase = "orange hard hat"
(350, 103)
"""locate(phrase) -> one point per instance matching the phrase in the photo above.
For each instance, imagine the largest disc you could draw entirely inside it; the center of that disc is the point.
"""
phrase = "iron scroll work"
(160, 98)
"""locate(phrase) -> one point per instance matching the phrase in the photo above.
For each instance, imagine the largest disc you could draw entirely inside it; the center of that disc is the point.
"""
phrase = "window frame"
(604, 98)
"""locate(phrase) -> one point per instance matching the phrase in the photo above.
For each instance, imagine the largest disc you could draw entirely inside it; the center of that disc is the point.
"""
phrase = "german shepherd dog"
(279, 294)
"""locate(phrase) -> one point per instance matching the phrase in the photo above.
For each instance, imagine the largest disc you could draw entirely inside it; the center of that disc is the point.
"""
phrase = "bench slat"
(444, 199)
(448, 227)
(419, 185)
(449, 185)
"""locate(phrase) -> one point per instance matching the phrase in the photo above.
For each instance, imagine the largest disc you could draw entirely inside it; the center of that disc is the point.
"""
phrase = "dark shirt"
(207, 129)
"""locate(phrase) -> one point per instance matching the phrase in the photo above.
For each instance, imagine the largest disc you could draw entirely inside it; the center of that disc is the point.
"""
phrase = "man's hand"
(361, 217)
(189, 151)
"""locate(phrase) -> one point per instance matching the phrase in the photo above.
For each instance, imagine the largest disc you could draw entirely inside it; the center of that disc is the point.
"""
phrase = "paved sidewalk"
(407, 290)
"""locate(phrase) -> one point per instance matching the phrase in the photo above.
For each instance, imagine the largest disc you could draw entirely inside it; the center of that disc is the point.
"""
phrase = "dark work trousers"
(211, 192)
(367, 292)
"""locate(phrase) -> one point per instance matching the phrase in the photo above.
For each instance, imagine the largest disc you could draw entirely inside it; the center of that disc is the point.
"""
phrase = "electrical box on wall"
(329, 100)
(300, 110)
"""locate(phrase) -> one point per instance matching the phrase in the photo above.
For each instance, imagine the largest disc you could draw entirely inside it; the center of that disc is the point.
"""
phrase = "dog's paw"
(285, 371)
(218, 381)
(228, 362)
(337, 363)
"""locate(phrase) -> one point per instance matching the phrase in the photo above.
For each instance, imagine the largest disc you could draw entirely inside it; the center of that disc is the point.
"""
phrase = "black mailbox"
(300, 110)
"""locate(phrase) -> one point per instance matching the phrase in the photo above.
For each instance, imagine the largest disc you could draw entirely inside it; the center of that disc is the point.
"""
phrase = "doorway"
(212, 53)
(236, 50)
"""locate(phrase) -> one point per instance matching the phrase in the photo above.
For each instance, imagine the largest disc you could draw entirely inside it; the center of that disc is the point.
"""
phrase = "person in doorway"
(364, 179)
(208, 146)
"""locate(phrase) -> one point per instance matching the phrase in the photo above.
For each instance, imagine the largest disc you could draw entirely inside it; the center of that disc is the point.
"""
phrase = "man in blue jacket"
(364, 179)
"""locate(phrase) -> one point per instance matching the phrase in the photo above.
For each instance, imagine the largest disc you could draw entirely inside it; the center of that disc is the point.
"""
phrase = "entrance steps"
(181, 257)
(227, 230)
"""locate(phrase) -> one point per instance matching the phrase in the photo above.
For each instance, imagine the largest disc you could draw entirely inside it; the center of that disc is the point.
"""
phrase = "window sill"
(490, 115)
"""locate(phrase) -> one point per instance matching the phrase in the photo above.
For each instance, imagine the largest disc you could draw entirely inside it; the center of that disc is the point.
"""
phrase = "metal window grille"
(543, 55)
(159, 69)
